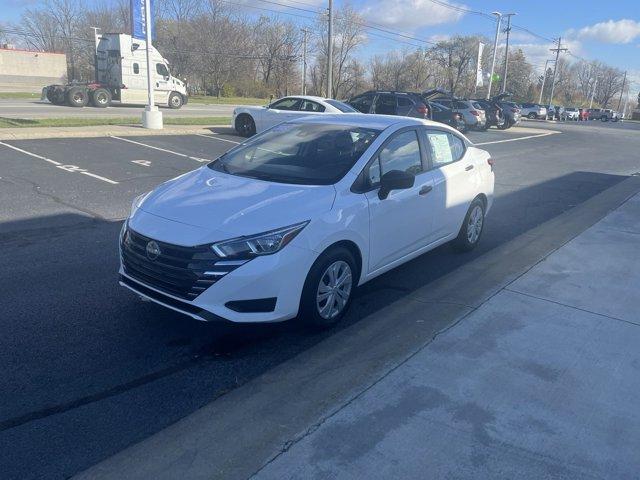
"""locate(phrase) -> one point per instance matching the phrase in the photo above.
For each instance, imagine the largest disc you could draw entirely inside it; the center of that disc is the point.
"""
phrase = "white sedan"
(251, 120)
(291, 222)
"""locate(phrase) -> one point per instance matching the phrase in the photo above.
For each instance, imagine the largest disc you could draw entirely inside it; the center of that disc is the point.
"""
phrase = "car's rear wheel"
(472, 228)
(329, 288)
(245, 125)
(532, 115)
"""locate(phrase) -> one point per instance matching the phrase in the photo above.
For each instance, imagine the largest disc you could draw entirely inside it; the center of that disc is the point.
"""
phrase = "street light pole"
(506, 52)
(304, 61)
(330, 53)
(151, 117)
(495, 50)
(624, 81)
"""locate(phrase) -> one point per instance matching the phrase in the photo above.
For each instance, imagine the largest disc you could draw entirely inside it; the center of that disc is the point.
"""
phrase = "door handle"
(425, 189)
(469, 167)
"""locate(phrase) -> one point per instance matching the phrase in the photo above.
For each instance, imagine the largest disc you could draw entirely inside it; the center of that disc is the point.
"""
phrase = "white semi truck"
(121, 76)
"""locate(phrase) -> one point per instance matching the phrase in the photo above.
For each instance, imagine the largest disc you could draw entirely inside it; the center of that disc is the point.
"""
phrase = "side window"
(385, 104)
(309, 106)
(161, 69)
(136, 68)
(286, 104)
(404, 102)
(402, 152)
(363, 103)
(445, 148)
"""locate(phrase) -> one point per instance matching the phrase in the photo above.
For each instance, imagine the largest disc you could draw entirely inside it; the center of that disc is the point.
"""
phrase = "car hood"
(222, 206)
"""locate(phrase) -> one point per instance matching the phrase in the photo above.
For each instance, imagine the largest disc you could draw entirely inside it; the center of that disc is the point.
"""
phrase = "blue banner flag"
(138, 20)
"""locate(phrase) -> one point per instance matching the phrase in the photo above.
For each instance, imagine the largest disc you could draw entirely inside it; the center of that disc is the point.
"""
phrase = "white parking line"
(516, 139)
(213, 137)
(184, 155)
(66, 168)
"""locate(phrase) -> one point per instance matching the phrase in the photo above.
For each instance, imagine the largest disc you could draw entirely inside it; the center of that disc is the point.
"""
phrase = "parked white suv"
(293, 220)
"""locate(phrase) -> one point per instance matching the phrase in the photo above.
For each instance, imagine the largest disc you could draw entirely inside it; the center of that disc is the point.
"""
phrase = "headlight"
(265, 243)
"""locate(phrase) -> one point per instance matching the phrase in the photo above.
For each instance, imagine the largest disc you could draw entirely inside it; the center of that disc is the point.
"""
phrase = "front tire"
(245, 126)
(472, 228)
(329, 288)
(175, 100)
(532, 116)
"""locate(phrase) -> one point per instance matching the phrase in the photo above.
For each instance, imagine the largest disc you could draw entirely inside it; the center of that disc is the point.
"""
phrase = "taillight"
(475, 112)
(422, 109)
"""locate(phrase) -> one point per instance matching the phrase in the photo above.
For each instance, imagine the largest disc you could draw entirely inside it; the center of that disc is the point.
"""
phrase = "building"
(29, 71)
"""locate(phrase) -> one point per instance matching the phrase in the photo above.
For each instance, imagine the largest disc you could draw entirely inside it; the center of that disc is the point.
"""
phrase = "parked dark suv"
(391, 103)
(407, 104)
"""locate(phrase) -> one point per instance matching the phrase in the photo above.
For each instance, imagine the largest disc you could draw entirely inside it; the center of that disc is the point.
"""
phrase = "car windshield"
(300, 153)
(343, 107)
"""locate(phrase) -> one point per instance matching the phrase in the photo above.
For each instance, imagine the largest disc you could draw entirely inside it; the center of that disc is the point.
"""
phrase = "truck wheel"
(55, 94)
(101, 98)
(175, 100)
(77, 97)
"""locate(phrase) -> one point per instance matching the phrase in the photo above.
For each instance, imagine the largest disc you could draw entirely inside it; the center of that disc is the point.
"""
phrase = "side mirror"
(395, 180)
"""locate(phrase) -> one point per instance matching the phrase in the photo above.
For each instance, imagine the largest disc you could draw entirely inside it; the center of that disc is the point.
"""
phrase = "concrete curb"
(101, 131)
(237, 434)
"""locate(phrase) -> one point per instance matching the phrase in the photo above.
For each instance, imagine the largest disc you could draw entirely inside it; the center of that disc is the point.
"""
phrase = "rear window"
(343, 107)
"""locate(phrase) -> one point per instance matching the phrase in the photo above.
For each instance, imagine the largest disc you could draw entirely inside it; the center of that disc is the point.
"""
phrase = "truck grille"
(176, 270)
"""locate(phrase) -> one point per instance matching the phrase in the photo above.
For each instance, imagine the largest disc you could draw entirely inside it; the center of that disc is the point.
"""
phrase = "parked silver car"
(472, 113)
(533, 110)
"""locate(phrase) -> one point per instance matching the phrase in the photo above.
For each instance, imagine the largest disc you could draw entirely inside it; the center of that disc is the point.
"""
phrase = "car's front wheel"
(532, 115)
(472, 228)
(329, 288)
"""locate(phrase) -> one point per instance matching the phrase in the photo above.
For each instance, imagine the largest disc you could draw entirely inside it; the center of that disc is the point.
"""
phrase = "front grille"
(177, 270)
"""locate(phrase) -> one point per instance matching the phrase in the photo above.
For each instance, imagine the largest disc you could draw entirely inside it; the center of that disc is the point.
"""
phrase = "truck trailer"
(121, 76)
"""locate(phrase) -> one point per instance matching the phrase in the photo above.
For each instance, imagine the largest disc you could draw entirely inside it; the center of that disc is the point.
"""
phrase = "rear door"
(363, 103)
(456, 178)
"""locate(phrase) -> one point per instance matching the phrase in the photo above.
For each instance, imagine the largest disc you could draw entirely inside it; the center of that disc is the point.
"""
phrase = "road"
(87, 369)
(44, 109)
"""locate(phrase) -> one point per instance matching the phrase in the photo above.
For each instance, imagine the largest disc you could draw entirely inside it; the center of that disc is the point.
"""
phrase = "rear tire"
(245, 126)
(101, 98)
(175, 100)
(329, 288)
(77, 97)
(472, 228)
(532, 116)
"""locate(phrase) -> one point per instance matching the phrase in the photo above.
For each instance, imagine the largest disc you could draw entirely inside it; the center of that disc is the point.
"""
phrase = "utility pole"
(330, 53)
(544, 79)
(624, 81)
(495, 50)
(506, 52)
(555, 67)
(304, 60)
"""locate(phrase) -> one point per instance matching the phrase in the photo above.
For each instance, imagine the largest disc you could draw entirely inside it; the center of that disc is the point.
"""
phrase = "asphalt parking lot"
(87, 369)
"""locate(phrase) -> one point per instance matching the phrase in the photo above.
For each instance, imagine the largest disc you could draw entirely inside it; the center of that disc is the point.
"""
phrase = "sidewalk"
(542, 381)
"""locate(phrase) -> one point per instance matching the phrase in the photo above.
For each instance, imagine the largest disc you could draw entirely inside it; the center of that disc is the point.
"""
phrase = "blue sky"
(594, 29)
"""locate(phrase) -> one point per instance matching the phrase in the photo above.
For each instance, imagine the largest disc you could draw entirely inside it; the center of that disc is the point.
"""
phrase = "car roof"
(379, 122)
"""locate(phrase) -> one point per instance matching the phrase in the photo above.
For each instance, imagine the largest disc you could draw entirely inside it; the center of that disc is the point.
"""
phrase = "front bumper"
(280, 276)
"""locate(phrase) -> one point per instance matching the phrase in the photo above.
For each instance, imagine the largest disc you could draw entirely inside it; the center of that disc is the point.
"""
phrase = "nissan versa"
(291, 221)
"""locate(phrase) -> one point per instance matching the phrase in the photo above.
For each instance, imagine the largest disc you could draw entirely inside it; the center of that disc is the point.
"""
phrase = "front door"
(284, 109)
(401, 223)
